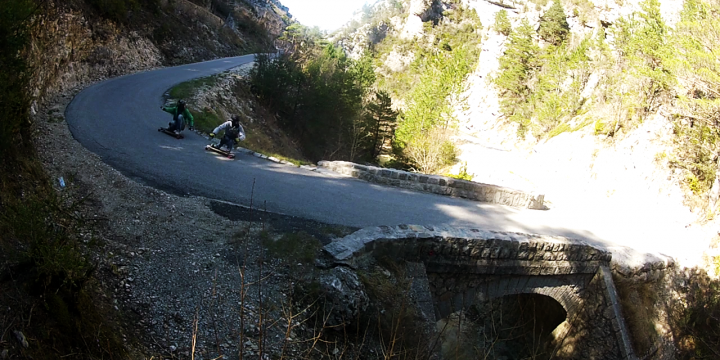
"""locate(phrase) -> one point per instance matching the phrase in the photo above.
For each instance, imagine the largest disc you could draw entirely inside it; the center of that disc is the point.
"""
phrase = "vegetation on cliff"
(643, 67)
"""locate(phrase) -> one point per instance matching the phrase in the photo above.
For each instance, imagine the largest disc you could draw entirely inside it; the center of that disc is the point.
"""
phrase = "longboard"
(171, 133)
(221, 152)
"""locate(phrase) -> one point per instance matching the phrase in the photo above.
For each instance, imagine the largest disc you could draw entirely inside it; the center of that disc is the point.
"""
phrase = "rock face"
(345, 296)
(74, 46)
(271, 15)
(68, 49)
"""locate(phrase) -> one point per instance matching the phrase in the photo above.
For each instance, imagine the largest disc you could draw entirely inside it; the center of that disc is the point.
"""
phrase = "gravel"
(172, 267)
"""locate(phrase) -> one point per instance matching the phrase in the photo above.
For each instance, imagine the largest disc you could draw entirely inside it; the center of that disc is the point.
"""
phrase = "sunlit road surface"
(118, 120)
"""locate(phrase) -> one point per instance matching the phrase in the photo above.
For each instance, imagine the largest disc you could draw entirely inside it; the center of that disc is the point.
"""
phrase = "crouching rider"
(180, 114)
(234, 133)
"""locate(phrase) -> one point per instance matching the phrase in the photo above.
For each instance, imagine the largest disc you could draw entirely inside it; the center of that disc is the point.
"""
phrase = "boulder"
(345, 296)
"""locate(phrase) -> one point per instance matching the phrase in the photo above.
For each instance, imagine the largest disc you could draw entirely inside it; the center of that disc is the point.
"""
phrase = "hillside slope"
(595, 123)
(56, 236)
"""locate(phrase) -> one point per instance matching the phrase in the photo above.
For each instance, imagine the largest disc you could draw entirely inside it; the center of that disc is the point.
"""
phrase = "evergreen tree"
(697, 140)
(517, 66)
(502, 23)
(553, 24)
(317, 92)
(378, 125)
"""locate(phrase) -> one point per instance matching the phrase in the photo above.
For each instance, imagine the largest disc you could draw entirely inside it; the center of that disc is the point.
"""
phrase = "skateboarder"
(234, 133)
(180, 115)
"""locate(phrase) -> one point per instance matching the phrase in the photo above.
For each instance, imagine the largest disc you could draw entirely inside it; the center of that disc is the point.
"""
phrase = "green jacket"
(186, 114)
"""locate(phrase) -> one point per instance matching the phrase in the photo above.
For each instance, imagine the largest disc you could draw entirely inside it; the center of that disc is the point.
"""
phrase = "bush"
(502, 23)
(462, 175)
(431, 150)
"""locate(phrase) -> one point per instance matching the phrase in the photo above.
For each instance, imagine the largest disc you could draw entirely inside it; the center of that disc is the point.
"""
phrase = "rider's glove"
(212, 135)
(237, 141)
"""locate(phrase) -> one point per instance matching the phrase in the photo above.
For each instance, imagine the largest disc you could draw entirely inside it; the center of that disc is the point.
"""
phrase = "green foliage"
(430, 151)
(377, 127)
(556, 92)
(186, 89)
(206, 120)
(317, 92)
(643, 42)
(697, 40)
(517, 67)
(462, 175)
(448, 52)
(502, 23)
(428, 105)
(553, 24)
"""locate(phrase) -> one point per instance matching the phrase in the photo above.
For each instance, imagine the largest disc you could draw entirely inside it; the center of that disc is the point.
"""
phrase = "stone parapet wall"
(463, 250)
(441, 185)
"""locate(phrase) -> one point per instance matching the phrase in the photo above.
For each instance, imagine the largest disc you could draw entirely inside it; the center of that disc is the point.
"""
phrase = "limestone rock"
(345, 296)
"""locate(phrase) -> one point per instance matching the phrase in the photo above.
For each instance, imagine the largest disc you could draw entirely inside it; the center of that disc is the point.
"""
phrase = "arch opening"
(508, 327)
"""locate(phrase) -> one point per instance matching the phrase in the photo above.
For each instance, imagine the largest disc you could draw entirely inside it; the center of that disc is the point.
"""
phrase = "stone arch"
(467, 291)
(453, 266)
(508, 326)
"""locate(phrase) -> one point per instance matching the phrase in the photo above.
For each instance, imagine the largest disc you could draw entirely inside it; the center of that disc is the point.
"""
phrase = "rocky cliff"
(78, 42)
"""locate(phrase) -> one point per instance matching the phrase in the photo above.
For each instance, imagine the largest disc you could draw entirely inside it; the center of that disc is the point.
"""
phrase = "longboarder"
(234, 133)
(180, 114)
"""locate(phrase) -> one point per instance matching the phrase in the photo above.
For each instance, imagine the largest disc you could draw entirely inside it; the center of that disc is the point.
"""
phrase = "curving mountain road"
(118, 120)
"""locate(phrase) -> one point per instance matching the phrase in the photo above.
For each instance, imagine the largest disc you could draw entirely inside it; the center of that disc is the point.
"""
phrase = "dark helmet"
(181, 105)
(235, 120)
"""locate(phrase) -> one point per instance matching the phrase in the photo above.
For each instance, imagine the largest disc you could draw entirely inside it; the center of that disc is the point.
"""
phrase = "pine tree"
(379, 125)
(553, 24)
(517, 66)
(502, 23)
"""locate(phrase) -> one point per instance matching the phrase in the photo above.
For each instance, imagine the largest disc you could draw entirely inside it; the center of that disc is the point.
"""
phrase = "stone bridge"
(455, 269)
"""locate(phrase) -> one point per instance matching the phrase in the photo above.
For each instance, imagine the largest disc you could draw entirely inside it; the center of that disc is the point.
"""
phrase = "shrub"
(431, 150)
(502, 23)
(463, 174)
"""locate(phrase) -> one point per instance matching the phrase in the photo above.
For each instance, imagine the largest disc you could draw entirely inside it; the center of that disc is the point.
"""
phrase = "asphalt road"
(118, 120)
